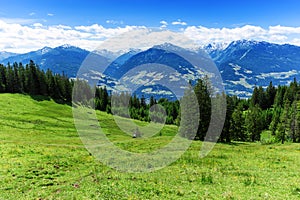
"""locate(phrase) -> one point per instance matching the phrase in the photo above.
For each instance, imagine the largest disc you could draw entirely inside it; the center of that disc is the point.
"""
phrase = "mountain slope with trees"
(274, 110)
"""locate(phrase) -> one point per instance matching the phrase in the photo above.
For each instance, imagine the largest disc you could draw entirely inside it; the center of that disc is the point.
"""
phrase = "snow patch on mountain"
(242, 82)
(245, 54)
(156, 92)
(278, 75)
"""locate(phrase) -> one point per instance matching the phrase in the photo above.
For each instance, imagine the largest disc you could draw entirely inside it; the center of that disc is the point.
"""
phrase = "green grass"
(42, 157)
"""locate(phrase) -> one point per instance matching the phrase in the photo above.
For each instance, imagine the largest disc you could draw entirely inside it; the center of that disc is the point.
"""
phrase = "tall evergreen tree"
(226, 134)
(16, 80)
(254, 122)
(152, 101)
(204, 102)
(9, 79)
(270, 95)
(284, 126)
(189, 114)
(237, 129)
(22, 77)
(2, 78)
(254, 97)
(275, 119)
(294, 121)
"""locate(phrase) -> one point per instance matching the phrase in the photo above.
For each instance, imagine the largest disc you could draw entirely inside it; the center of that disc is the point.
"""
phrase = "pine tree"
(275, 120)
(22, 77)
(50, 83)
(284, 125)
(16, 80)
(152, 101)
(237, 129)
(226, 134)
(294, 123)
(254, 122)
(33, 84)
(270, 95)
(2, 78)
(278, 102)
(254, 97)
(68, 89)
(9, 79)
(297, 126)
(262, 99)
(189, 114)
(291, 92)
(43, 90)
(204, 103)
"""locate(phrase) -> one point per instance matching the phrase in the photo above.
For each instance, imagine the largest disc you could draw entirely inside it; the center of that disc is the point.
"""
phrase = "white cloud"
(179, 22)
(110, 21)
(284, 30)
(32, 13)
(274, 34)
(143, 38)
(50, 14)
(23, 35)
(22, 21)
(63, 27)
(19, 38)
(164, 24)
(37, 25)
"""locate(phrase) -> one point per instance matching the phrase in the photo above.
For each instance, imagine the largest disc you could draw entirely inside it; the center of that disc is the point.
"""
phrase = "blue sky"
(174, 15)
(210, 13)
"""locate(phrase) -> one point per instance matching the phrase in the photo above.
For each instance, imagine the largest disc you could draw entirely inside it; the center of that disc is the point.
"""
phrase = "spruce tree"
(189, 114)
(237, 129)
(294, 123)
(204, 103)
(254, 122)
(284, 125)
(270, 95)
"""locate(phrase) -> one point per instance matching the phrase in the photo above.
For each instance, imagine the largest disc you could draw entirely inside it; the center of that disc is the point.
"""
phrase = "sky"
(30, 25)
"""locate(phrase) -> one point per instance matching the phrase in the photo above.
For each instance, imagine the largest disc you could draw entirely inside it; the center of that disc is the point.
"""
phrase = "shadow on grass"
(46, 98)
(40, 98)
(234, 143)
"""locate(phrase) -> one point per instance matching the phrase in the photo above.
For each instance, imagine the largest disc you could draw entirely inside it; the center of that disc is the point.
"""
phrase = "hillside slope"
(42, 157)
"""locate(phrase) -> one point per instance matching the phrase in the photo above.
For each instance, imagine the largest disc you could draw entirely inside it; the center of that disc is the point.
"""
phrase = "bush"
(266, 137)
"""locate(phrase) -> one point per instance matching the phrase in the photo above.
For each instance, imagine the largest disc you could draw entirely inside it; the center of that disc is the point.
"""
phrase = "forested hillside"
(270, 115)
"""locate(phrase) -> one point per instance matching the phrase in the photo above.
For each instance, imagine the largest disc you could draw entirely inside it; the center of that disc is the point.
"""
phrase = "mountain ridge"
(242, 64)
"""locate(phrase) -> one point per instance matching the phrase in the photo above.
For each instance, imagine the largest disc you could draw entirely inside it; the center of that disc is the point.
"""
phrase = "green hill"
(42, 157)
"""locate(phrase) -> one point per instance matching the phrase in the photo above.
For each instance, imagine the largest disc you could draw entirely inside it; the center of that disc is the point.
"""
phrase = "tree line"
(270, 115)
(30, 79)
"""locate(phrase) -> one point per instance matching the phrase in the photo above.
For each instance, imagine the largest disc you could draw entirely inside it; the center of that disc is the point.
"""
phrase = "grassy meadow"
(42, 157)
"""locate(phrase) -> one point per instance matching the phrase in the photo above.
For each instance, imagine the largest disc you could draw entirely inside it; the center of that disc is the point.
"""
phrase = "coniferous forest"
(271, 115)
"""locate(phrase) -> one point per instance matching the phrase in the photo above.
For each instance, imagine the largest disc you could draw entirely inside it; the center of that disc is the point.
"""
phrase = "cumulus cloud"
(163, 23)
(144, 38)
(37, 25)
(179, 22)
(50, 14)
(19, 38)
(15, 36)
(32, 13)
(274, 34)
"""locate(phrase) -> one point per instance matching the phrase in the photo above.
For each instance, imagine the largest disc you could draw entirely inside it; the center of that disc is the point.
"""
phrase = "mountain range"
(242, 65)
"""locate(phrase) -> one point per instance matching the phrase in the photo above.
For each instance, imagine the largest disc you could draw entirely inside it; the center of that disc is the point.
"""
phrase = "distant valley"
(242, 64)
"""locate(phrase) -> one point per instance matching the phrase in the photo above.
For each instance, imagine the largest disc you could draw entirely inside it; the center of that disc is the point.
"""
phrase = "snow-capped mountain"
(215, 47)
(153, 71)
(5, 54)
(242, 64)
(63, 59)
